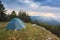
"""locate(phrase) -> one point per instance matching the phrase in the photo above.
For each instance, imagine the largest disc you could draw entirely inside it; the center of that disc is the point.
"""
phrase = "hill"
(31, 32)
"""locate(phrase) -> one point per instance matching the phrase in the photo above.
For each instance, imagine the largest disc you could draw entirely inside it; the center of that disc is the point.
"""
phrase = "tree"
(12, 15)
(23, 16)
(3, 16)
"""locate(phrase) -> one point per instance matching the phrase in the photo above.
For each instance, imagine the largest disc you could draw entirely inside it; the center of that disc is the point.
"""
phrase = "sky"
(48, 8)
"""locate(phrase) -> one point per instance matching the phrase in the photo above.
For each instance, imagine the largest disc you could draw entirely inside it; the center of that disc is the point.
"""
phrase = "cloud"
(28, 3)
(42, 5)
(48, 15)
(37, 6)
(48, 9)
(52, 3)
(25, 1)
(9, 11)
(42, 14)
(34, 5)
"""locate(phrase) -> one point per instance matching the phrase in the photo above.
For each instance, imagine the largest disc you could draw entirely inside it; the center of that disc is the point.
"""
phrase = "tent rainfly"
(15, 24)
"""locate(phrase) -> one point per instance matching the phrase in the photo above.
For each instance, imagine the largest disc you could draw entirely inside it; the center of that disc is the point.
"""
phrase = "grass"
(31, 32)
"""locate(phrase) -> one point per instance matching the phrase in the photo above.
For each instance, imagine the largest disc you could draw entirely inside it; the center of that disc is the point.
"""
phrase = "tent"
(15, 24)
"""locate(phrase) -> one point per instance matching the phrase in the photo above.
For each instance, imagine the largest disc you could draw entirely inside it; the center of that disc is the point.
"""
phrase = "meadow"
(31, 32)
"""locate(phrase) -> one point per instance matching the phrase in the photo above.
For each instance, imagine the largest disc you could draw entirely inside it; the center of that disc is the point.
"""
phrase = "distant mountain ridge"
(49, 20)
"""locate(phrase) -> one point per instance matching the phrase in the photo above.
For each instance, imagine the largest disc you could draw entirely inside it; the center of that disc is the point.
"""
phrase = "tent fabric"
(15, 24)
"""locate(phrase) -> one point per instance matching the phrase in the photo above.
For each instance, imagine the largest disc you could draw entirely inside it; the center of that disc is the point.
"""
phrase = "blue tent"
(15, 24)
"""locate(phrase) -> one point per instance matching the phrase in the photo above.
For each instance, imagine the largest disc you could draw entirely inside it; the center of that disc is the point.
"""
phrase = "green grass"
(31, 32)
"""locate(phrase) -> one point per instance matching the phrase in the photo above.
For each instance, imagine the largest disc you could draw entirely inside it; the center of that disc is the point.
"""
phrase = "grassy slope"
(31, 32)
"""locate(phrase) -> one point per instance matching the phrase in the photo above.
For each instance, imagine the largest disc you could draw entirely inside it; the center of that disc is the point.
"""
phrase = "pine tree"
(3, 16)
(13, 15)
(25, 17)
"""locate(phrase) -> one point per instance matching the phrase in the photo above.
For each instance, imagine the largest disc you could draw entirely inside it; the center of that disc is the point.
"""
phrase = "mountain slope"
(31, 32)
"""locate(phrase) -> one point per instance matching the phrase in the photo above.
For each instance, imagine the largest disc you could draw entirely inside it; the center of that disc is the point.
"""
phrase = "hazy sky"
(35, 7)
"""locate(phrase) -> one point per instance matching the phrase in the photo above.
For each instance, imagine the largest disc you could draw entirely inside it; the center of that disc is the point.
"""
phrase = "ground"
(31, 32)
